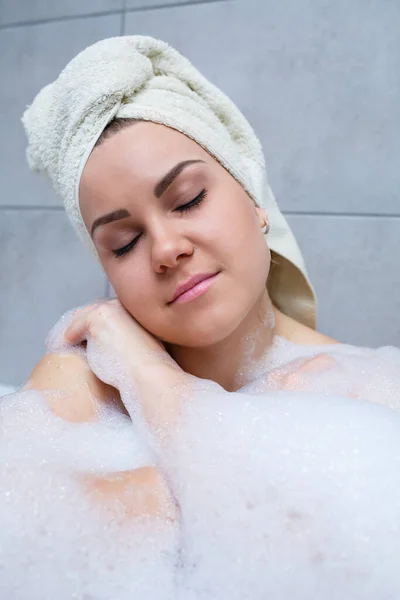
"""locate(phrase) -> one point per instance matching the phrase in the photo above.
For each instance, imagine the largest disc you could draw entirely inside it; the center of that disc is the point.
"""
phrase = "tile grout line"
(285, 212)
(33, 207)
(122, 11)
(123, 18)
(312, 213)
(176, 4)
(16, 25)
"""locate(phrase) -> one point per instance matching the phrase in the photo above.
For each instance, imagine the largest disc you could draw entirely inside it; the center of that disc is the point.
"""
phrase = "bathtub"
(6, 389)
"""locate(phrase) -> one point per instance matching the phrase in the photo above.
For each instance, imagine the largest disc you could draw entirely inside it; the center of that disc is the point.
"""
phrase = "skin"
(211, 337)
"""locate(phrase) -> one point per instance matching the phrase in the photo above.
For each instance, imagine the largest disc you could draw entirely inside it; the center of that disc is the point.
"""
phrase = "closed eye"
(183, 208)
(121, 251)
(193, 203)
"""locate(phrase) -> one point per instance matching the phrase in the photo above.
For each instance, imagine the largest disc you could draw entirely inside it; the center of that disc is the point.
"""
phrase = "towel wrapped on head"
(140, 77)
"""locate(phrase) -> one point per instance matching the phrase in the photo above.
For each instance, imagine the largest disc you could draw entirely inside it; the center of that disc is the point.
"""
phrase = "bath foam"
(57, 539)
(342, 369)
(287, 495)
(282, 494)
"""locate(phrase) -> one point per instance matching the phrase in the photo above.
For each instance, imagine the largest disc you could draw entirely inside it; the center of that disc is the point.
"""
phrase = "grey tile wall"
(30, 57)
(43, 272)
(143, 4)
(355, 265)
(319, 82)
(22, 11)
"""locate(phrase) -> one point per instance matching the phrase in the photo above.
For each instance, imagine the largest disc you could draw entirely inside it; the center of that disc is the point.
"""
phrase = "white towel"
(144, 78)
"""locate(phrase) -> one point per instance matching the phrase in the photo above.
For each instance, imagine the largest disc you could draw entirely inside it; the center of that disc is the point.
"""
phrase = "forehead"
(144, 149)
(146, 141)
(135, 157)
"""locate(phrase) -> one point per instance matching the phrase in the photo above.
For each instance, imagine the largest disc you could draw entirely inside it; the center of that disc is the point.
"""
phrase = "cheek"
(137, 294)
(249, 249)
(240, 236)
(132, 286)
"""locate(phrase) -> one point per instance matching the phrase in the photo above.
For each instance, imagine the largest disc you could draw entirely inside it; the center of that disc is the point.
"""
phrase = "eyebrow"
(116, 215)
(166, 181)
(158, 191)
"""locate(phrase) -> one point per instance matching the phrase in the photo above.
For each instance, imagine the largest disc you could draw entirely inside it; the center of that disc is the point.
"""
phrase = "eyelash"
(195, 203)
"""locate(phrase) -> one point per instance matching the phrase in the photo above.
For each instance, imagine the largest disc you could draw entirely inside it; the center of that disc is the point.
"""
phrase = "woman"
(183, 175)
(164, 181)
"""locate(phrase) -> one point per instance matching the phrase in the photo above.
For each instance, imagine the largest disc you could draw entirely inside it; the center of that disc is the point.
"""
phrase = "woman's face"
(180, 214)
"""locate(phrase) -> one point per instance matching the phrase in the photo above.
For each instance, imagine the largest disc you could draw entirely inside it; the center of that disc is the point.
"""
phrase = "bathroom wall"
(319, 81)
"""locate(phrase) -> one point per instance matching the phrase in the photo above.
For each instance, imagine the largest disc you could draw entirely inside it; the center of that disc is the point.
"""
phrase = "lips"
(189, 284)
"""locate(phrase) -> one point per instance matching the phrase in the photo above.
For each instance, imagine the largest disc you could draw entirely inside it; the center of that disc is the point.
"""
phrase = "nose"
(169, 246)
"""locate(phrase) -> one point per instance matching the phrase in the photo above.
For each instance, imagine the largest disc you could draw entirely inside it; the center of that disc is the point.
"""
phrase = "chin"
(208, 333)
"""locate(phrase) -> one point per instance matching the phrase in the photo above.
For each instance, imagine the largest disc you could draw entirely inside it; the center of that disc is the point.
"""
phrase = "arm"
(143, 492)
(161, 390)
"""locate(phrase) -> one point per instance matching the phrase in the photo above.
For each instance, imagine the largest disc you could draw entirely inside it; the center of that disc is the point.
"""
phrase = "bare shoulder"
(68, 375)
(298, 333)
(310, 337)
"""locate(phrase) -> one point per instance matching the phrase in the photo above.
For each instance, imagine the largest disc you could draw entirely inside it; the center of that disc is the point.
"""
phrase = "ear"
(262, 215)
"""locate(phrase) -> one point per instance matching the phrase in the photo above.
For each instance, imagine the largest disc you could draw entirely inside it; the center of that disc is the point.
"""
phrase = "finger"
(76, 332)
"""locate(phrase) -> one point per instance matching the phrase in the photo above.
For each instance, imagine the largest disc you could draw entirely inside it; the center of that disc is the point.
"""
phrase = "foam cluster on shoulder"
(281, 493)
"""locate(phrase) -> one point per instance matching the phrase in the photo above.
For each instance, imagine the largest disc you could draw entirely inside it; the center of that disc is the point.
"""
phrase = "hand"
(126, 356)
(116, 345)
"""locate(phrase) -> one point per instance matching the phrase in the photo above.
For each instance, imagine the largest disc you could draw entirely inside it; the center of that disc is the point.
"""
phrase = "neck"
(232, 361)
